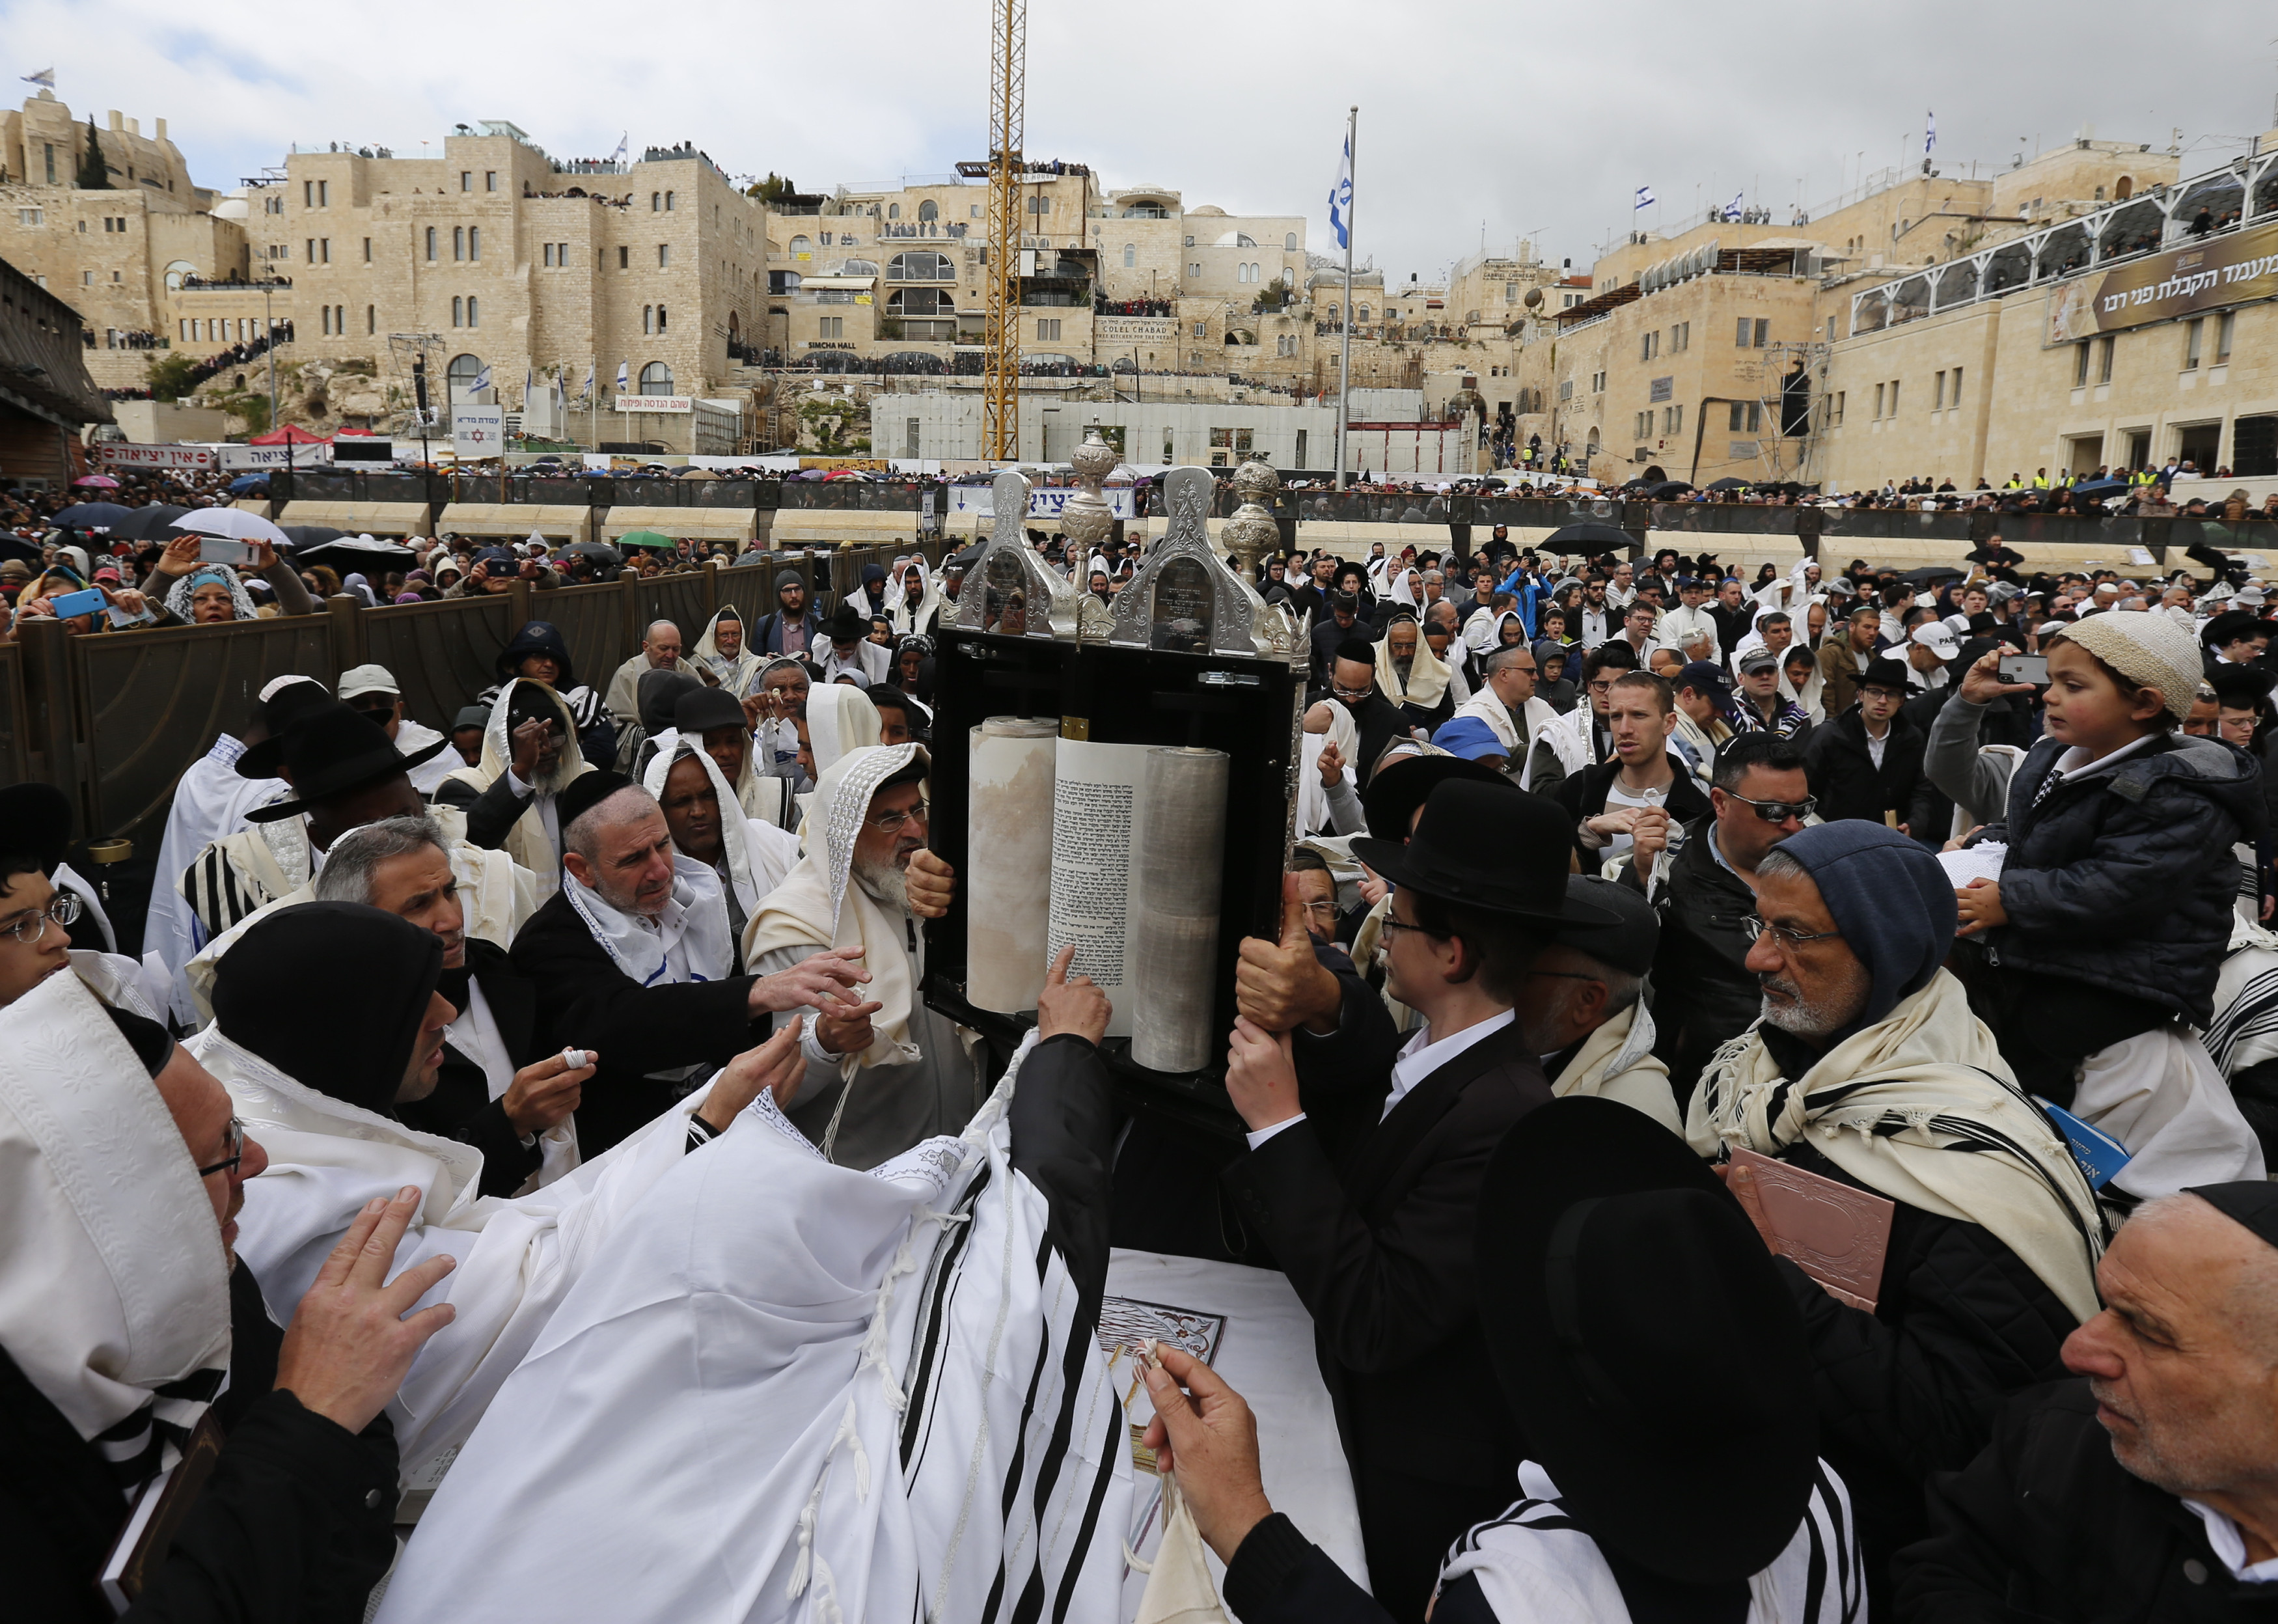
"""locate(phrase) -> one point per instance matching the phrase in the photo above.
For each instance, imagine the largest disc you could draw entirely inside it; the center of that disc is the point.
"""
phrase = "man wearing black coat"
(2147, 1491)
(1338, 621)
(1352, 684)
(1369, 1202)
(1627, 802)
(1867, 763)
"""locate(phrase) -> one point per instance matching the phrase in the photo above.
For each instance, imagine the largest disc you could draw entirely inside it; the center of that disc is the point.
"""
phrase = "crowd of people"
(1763, 1082)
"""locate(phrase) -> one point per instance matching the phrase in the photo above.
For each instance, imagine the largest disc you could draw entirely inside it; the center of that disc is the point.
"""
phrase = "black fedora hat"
(1526, 841)
(1404, 783)
(335, 751)
(846, 623)
(706, 708)
(35, 821)
(278, 712)
(1641, 1333)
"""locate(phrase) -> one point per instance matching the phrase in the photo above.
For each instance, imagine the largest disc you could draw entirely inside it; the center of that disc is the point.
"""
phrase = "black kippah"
(1357, 649)
(152, 1043)
(2253, 1203)
(586, 791)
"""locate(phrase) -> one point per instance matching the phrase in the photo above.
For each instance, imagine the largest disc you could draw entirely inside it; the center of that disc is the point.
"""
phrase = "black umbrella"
(148, 523)
(596, 551)
(1728, 485)
(1668, 488)
(1589, 533)
(1930, 575)
(91, 514)
(967, 559)
(311, 535)
(2098, 488)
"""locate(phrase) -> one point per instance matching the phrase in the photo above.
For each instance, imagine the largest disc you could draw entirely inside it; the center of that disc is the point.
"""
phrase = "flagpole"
(1344, 363)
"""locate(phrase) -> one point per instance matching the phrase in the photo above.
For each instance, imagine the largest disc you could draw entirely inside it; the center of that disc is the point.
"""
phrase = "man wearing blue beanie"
(1867, 1068)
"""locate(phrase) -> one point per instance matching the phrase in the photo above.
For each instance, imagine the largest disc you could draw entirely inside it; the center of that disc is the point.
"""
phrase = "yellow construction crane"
(1008, 56)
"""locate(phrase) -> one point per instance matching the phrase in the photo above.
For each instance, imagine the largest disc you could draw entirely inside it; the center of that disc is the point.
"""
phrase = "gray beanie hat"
(2146, 648)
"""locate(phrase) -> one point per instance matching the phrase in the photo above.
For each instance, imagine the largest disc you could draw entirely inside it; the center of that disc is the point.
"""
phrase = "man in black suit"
(1352, 684)
(661, 1030)
(1366, 1192)
(497, 1091)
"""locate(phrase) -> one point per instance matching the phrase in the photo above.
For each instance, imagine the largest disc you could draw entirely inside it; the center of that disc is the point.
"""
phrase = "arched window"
(668, 203)
(893, 212)
(648, 320)
(462, 374)
(1131, 255)
(656, 379)
(2124, 188)
(801, 249)
(474, 242)
(655, 201)
(929, 209)
(458, 312)
(458, 243)
(1362, 314)
(473, 319)
(920, 265)
(176, 272)
(659, 319)
(1242, 239)
(1289, 241)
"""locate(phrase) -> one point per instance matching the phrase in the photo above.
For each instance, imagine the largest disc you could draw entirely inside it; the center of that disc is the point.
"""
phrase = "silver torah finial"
(1185, 599)
(1010, 589)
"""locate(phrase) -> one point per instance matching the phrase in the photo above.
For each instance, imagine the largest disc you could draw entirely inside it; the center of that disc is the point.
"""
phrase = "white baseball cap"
(362, 679)
(1937, 636)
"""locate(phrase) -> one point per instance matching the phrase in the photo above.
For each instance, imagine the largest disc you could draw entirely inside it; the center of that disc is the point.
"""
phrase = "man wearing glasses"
(1704, 993)
(37, 915)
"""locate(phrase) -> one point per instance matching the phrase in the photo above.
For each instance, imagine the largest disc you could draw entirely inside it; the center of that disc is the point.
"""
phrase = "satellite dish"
(1533, 299)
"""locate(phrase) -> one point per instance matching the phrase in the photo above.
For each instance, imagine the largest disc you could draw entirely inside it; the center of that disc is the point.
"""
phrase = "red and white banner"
(121, 456)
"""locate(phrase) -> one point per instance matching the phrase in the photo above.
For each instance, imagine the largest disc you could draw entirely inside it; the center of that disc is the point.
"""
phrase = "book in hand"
(160, 1510)
(1834, 1233)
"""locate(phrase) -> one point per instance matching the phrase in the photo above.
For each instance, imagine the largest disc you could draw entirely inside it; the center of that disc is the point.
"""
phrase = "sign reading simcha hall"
(2197, 274)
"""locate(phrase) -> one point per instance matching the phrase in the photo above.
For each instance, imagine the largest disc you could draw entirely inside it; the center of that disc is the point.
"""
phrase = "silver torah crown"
(1225, 614)
(1007, 564)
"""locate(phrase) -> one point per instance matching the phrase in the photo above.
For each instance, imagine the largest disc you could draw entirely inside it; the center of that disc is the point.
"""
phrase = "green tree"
(94, 174)
(774, 189)
(170, 376)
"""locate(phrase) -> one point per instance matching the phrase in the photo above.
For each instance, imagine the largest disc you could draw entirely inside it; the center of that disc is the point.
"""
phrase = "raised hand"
(1077, 1006)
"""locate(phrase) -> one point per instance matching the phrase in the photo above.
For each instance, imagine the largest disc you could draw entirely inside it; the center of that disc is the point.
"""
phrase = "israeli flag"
(1929, 133)
(1732, 208)
(624, 377)
(618, 157)
(589, 380)
(1645, 196)
(45, 78)
(1341, 199)
(482, 382)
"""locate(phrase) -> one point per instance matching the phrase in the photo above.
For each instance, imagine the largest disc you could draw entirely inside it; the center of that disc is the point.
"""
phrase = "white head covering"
(740, 675)
(754, 869)
(114, 1288)
(899, 615)
(839, 718)
(1312, 800)
(178, 597)
(1428, 673)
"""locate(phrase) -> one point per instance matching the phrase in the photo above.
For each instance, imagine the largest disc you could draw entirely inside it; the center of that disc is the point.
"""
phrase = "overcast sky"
(1494, 120)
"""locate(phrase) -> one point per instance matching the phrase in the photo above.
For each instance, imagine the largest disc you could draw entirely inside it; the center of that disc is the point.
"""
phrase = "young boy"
(2112, 914)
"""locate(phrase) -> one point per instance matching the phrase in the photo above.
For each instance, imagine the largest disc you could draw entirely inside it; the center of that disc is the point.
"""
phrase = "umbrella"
(234, 523)
(96, 482)
(643, 538)
(596, 551)
(1930, 575)
(698, 473)
(246, 482)
(2101, 489)
(91, 514)
(148, 523)
(358, 553)
(1588, 533)
(310, 535)
(1668, 488)
(1728, 485)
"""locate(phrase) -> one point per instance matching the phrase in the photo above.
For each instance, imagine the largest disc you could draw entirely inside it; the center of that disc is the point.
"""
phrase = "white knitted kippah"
(2146, 648)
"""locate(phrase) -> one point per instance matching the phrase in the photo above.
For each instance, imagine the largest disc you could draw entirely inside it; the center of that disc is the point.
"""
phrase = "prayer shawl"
(1312, 800)
(1694, 745)
(1536, 1562)
(114, 1289)
(517, 1257)
(870, 662)
(1539, 718)
(776, 742)
(688, 942)
(1617, 1062)
(917, 622)
(1573, 739)
(497, 896)
(831, 1395)
(763, 797)
(2245, 1029)
(1920, 1107)
(413, 737)
(1426, 681)
(210, 800)
(819, 906)
(178, 596)
(838, 719)
(246, 871)
(757, 854)
(527, 841)
(623, 697)
(740, 675)
(1812, 696)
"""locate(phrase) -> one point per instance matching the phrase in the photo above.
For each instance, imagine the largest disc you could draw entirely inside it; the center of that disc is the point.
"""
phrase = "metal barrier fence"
(114, 719)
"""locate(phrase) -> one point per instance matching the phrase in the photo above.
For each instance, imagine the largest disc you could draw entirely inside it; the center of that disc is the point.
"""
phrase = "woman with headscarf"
(722, 655)
(1411, 677)
(916, 608)
(200, 593)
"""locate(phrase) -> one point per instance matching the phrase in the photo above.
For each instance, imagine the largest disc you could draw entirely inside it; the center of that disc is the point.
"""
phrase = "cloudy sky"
(1478, 122)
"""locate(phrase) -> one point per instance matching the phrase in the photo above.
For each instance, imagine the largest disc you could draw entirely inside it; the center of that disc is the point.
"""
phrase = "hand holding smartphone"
(218, 549)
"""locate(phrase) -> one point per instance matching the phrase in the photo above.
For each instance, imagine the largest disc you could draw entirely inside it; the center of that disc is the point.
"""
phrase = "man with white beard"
(884, 1074)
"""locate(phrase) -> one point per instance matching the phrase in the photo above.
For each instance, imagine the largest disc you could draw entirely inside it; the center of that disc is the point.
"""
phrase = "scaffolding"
(1000, 412)
(1782, 457)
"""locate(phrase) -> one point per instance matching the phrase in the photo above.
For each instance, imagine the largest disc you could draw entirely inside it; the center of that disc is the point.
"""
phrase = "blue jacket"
(2125, 880)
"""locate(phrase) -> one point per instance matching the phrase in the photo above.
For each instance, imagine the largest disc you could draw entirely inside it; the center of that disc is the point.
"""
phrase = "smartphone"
(2026, 668)
(70, 604)
(216, 549)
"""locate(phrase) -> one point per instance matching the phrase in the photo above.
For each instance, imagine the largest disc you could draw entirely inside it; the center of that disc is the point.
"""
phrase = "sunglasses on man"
(1779, 811)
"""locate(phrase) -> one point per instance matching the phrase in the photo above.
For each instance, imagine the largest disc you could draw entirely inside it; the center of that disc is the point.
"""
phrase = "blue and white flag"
(589, 380)
(618, 157)
(1732, 208)
(1929, 133)
(1341, 199)
(45, 77)
(624, 376)
(482, 382)
(1645, 196)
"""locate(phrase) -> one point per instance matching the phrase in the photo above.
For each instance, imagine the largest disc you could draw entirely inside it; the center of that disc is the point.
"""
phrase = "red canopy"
(290, 434)
(355, 433)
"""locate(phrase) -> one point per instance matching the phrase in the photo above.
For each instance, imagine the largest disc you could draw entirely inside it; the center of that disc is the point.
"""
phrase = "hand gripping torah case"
(1122, 781)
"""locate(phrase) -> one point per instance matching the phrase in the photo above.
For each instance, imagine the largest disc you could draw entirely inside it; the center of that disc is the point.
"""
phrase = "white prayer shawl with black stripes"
(790, 1391)
(2245, 1029)
(114, 1288)
(1919, 1107)
(1535, 1565)
(239, 873)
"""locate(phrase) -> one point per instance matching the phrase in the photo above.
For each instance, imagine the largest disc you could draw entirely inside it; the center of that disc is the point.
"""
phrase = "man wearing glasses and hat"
(1367, 1193)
